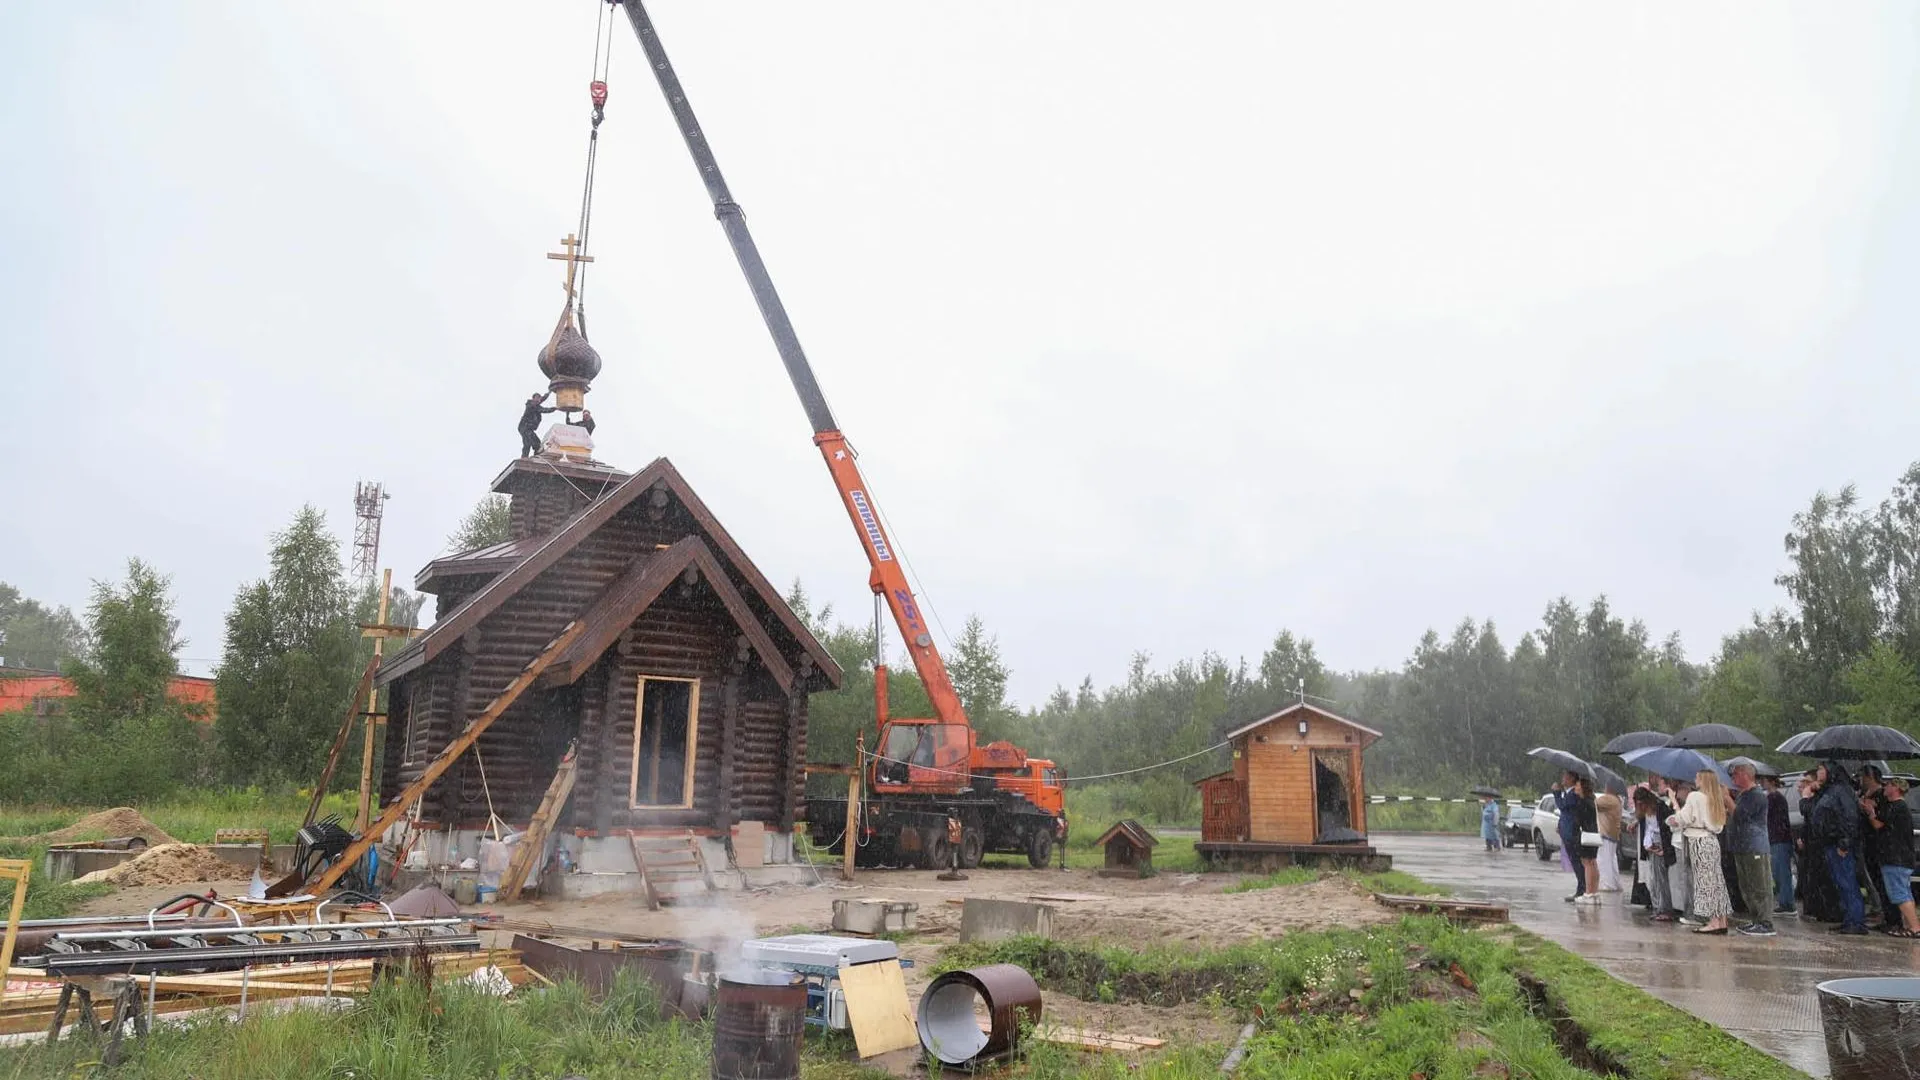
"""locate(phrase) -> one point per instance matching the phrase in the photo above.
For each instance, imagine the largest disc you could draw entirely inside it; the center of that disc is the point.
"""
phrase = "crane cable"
(599, 71)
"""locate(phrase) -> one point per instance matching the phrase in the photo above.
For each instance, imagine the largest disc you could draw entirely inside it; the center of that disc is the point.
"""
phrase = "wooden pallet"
(1465, 910)
(533, 846)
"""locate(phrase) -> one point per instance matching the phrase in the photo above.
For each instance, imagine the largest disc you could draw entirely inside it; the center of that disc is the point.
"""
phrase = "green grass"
(1653, 1040)
(191, 816)
(1396, 882)
(1386, 1004)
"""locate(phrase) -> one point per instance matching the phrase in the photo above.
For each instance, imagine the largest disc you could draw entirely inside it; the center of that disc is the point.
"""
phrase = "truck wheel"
(1540, 846)
(1040, 849)
(973, 847)
(935, 850)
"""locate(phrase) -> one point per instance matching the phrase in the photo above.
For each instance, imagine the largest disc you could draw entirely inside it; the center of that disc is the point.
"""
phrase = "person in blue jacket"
(1566, 798)
(1490, 822)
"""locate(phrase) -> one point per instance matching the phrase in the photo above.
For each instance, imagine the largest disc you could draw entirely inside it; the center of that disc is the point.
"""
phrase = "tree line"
(1461, 708)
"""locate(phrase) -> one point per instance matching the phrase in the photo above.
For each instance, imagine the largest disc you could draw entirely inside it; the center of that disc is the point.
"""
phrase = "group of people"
(1708, 850)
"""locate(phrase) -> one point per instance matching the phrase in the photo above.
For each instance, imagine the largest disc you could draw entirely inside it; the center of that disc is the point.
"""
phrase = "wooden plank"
(877, 1008)
(534, 843)
(445, 759)
(640, 864)
(1433, 905)
(1087, 1039)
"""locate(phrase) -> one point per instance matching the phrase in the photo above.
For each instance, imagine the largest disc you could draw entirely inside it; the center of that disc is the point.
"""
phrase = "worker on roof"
(586, 420)
(530, 424)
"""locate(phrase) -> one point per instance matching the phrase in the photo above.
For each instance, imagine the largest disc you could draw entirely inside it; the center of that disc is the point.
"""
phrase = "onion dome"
(570, 357)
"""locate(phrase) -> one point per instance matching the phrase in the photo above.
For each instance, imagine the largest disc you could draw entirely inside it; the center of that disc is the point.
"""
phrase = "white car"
(1546, 833)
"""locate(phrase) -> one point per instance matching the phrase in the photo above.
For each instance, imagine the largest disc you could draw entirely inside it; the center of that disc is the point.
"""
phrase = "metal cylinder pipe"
(950, 1009)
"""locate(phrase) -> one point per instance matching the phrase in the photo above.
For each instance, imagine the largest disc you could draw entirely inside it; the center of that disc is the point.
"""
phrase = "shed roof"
(534, 556)
(1297, 707)
(1132, 830)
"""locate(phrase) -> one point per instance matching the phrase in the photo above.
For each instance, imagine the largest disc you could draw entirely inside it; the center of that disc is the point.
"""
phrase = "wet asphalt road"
(1759, 989)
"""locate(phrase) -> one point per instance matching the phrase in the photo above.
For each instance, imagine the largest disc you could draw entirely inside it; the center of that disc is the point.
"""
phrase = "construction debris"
(168, 864)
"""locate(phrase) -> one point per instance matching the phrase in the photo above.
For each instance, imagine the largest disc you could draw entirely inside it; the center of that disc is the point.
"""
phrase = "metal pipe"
(218, 931)
(228, 957)
(948, 1028)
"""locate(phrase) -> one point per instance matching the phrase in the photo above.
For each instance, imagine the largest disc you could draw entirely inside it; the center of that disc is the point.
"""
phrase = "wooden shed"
(1297, 787)
(686, 692)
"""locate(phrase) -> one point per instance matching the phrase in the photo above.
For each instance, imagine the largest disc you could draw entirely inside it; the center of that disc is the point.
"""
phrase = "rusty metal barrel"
(955, 1003)
(1872, 1027)
(758, 1016)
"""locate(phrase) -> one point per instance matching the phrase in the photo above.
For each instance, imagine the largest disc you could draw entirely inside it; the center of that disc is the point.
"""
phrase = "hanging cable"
(598, 72)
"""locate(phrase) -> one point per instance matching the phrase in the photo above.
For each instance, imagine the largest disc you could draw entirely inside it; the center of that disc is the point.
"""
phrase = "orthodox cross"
(572, 258)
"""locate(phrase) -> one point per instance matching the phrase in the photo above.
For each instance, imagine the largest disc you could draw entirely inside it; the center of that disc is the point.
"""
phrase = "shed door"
(1223, 817)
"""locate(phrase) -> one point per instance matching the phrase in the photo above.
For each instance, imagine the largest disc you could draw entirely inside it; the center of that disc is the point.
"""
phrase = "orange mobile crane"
(925, 772)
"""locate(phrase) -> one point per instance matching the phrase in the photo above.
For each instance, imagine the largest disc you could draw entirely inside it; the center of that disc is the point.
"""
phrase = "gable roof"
(635, 591)
(552, 548)
(1132, 830)
(1296, 707)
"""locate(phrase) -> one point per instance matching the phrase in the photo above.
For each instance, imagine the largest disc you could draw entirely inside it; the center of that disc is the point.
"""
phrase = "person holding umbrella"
(1607, 812)
(1890, 834)
(1819, 900)
(1780, 845)
(1835, 830)
(1566, 798)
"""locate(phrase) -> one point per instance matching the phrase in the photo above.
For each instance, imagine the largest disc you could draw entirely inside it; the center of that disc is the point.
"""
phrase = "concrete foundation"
(1254, 856)
(998, 920)
(603, 865)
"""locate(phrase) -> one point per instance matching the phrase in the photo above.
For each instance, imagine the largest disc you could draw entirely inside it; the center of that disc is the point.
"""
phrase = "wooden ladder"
(531, 846)
(663, 861)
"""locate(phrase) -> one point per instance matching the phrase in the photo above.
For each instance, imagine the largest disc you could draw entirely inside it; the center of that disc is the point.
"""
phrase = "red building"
(44, 693)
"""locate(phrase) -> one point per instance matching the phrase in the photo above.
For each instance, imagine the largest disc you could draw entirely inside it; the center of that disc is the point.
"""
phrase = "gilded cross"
(571, 258)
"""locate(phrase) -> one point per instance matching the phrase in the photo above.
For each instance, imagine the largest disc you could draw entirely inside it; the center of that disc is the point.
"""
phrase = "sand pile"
(117, 822)
(168, 864)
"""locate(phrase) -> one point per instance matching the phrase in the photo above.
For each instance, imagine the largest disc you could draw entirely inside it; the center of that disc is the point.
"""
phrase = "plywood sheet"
(877, 1007)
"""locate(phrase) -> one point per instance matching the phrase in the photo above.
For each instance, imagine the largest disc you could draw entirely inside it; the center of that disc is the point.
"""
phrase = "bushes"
(59, 759)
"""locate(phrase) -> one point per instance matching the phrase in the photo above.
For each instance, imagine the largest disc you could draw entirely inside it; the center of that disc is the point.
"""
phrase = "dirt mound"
(117, 822)
(167, 864)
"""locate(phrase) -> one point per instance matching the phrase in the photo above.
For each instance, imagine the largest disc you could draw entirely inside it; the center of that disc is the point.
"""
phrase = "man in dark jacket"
(1745, 839)
(1835, 826)
(1891, 838)
(530, 424)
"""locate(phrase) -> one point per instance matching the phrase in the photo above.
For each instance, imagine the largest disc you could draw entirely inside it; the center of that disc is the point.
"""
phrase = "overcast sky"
(1159, 327)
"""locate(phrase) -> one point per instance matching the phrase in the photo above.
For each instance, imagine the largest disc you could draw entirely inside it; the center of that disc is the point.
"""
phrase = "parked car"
(1518, 830)
(1546, 828)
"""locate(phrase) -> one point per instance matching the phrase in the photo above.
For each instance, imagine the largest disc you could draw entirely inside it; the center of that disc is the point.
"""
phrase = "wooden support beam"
(443, 760)
(534, 843)
(340, 742)
(850, 839)
(373, 715)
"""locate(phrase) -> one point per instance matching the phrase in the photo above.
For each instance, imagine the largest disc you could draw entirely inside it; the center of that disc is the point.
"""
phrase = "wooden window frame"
(639, 727)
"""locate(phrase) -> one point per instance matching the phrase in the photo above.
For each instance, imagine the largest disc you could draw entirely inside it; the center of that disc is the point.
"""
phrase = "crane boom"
(887, 578)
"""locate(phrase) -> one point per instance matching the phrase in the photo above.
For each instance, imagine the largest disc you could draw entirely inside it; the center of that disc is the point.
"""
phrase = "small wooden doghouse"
(1296, 793)
(1129, 849)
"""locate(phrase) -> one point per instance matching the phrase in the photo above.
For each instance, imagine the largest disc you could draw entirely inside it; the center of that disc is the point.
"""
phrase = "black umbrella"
(1705, 736)
(1794, 743)
(1486, 791)
(1859, 742)
(1634, 740)
(1609, 781)
(1760, 768)
(1560, 759)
